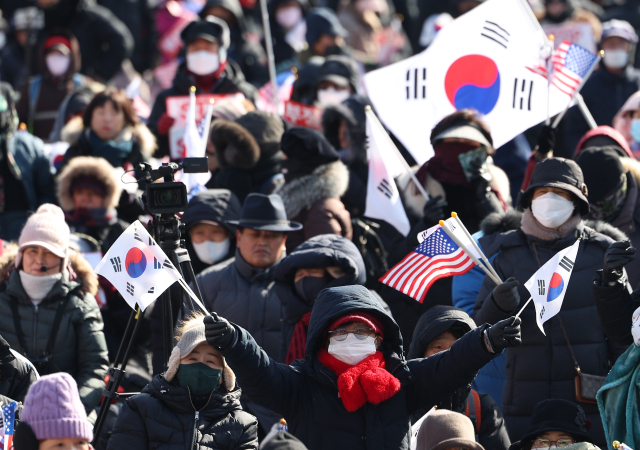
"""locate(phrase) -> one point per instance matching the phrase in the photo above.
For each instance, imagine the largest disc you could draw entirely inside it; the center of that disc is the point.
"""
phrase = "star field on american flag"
(438, 244)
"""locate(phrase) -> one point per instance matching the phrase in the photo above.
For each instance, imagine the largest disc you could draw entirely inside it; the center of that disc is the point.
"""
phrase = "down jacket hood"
(97, 168)
(215, 205)
(433, 323)
(607, 131)
(352, 112)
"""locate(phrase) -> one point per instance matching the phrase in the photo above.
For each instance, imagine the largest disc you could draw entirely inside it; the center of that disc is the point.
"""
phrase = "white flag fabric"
(453, 227)
(137, 267)
(195, 142)
(480, 61)
(383, 198)
(549, 284)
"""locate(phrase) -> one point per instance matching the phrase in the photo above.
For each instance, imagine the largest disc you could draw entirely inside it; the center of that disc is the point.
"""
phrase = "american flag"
(437, 257)
(285, 81)
(570, 65)
(9, 419)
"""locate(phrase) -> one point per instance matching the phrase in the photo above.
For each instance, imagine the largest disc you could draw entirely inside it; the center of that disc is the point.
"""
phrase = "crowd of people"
(301, 346)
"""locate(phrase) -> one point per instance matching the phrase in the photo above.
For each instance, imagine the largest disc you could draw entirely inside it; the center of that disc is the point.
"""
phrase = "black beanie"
(306, 149)
(602, 171)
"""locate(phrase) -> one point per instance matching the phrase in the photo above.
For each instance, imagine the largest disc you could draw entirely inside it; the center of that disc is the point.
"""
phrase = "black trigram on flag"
(522, 93)
(130, 288)
(115, 262)
(385, 188)
(156, 264)
(496, 33)
(137, 238)
(151, 242)
(167, 264)
(150, 291)
(541, 313)
(566, 264)
(541, 287)
(416, 83)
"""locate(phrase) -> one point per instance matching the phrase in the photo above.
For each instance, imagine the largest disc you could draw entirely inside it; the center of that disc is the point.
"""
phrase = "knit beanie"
(193, 336)
(46, 228)
(53, 409)
(363, 317)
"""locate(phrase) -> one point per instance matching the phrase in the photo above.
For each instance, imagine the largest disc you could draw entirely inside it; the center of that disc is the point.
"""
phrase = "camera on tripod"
(169, 197)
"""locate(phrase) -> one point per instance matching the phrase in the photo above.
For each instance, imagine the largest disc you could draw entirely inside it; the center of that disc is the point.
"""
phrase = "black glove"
(505, 333)
(546, 142)
(219, 332)
(433, 210)
(506, 295)
(616, 257)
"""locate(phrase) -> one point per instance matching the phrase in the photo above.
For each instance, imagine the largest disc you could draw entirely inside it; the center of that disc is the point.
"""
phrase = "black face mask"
(308, 288)
(334, 50)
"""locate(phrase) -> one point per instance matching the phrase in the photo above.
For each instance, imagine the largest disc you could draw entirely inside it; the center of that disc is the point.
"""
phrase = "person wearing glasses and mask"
(354, 389)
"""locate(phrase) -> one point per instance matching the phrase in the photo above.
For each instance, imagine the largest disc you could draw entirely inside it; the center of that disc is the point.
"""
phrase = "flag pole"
(443, 224)
(372, 116)
(550, 41)
(476, 246)
(270, 58)
(584, 80)
(522, 309)
(585, 112)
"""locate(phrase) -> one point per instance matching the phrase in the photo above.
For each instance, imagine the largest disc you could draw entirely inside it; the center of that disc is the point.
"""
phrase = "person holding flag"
(543, 367)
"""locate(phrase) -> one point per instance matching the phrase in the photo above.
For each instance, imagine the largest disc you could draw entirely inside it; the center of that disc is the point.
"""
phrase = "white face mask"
(288, 17)
(552, 210)
(616, 59)
(352, 350)
(203, 62)
(331, 96)
(211, 252)
(57, 63)
(635, 327)
(37, 287)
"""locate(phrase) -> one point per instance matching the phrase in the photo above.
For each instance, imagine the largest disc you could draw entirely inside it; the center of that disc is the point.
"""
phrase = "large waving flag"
(549, 284)
(478, 61)
(195, 142)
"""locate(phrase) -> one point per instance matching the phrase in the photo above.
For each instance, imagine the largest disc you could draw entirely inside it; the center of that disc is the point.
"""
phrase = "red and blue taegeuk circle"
(135, 262)
(473, 81)
(556, 286)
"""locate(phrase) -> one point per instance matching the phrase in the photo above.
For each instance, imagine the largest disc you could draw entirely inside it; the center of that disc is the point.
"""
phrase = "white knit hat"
(45, 228)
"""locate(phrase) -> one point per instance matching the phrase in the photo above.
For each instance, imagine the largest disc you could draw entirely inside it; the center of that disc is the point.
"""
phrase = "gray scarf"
(534, 228)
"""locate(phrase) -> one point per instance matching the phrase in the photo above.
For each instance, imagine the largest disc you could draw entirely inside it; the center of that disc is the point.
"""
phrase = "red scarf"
(299, 339)
(367, 381)
(206, 82)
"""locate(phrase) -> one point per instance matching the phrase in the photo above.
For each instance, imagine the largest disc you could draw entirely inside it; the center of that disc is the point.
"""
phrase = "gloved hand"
(546, 142)
(164, 123)
(505, 333)
(616, 257)
(433, 210)
(506, 295)
(219, 332)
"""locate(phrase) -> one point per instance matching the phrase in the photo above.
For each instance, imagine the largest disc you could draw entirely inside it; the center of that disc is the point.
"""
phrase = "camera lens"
(167, 197)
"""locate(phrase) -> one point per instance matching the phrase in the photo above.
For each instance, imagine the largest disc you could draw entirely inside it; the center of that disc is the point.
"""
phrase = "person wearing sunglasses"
(555, 423)
(354, 389)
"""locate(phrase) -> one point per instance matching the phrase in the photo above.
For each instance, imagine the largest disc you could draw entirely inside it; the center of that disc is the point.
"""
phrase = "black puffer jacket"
(306, 392)
(542, 367)
(162, 417)
(493, 433)
(16, 373)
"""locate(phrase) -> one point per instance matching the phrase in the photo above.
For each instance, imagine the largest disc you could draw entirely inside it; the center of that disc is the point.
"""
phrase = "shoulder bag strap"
(566, 338)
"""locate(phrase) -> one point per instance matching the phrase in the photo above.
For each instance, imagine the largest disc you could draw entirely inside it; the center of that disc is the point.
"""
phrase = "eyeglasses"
(546, 443)
(359, 333)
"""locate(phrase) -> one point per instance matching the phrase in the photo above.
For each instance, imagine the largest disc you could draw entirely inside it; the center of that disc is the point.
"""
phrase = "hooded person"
(315, 181)
(554, 206)
(304, 88)
(324, 35)
(627, 122)
(48, 306)
(354, 389)
(210, 239)
(283, 441)
(58, 76)
(288, 28)
(444, 429)
(206, 67)
(437, 330)
(248, 154)
(337, 80)
(194, 404)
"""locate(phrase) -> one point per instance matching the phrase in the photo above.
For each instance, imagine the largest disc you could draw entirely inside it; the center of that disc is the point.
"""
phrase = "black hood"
(216, 205)
(352, 112)
(61, 14)
(233, 6)
(433, 323)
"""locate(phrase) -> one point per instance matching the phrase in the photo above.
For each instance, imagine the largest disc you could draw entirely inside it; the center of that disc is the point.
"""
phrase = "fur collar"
(326, 181)
(97, 168)
(534, 228)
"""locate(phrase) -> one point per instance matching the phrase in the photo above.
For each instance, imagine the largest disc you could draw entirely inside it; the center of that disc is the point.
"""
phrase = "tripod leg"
(179, 257)
(167, 325)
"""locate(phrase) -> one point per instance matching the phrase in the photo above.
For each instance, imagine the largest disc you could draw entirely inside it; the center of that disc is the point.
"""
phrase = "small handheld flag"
(571, 64)
(438, 256)
(549, 284)
(8, 422)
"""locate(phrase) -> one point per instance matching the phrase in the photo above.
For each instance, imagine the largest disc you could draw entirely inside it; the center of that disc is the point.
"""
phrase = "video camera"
(169, 197)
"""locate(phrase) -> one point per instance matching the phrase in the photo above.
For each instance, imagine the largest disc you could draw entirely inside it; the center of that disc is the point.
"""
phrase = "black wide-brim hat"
(556, 415)
(264, 212)
(558, 173)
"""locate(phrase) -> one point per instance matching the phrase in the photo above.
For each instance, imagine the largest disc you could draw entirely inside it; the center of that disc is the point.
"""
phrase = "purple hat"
(619, 28)
(53, 409)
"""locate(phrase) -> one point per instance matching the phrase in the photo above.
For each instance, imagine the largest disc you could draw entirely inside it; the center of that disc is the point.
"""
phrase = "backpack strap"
(474, 411)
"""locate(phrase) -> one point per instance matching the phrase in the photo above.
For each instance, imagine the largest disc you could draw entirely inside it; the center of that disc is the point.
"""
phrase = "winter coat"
(163, 417)
(604, 94)
(45, 93)
(542, 366)
(306, 393)
(12, 69)
(34, 171)
(144, 143)
(16, 373)
(80, 348)
(231, 81)
(104, 40)
(314, 201)
(493, 433)
(615, 308)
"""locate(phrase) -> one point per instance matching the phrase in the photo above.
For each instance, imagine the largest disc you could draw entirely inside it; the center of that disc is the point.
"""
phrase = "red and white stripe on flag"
(437, 257)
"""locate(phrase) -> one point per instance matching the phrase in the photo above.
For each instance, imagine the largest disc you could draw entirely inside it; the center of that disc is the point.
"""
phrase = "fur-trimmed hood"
(97, 168)
(79, 268)
(234, 145)
(73, 131)
(326, 181)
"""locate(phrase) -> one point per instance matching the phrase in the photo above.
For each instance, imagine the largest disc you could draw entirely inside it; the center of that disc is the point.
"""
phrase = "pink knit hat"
(53, 409)
(46, 228)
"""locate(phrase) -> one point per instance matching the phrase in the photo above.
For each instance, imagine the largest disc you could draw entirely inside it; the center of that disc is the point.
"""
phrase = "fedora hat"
(444, 429)
(264, 212)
